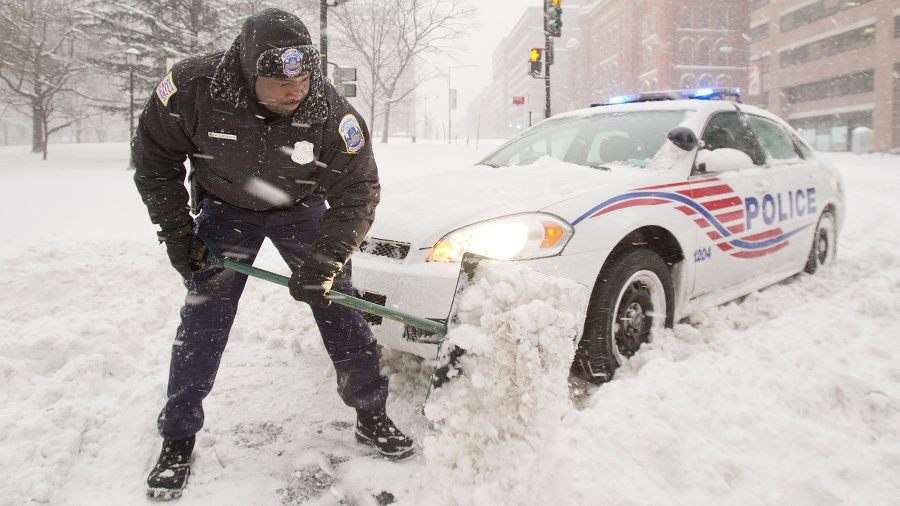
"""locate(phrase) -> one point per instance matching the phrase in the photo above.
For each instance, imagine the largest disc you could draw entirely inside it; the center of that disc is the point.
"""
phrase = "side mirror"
(683, 137)
(722, 159)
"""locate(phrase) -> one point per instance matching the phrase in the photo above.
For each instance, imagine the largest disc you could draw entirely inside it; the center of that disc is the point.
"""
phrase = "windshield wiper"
(601, 167)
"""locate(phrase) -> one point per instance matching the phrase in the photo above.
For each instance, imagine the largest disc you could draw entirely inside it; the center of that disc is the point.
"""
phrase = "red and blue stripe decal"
(713, 205)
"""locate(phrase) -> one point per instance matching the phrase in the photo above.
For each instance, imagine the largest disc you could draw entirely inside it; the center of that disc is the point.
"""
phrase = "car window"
(631, 138)
(801, 146)
(728, 129)
(555, 144)
(610, 147)
(774, 140)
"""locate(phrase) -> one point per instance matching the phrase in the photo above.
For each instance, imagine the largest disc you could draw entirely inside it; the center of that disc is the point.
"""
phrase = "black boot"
(376, 429)
(169, 476)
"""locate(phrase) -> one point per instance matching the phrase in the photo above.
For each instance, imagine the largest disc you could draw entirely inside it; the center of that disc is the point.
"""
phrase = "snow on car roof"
(696, 111)
(693, 121)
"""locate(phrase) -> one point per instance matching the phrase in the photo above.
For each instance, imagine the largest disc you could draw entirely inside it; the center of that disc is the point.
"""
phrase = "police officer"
(269, 141)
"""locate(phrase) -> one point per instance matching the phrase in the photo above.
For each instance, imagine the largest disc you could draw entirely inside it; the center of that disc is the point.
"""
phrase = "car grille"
(385, 248)
(374, 298)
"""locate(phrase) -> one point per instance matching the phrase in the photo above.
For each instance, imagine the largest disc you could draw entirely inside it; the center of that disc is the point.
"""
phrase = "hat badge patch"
(291, 62)
(352, 134)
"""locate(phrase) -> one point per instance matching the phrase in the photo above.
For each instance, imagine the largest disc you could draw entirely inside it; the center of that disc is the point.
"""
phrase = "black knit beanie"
(275, 43)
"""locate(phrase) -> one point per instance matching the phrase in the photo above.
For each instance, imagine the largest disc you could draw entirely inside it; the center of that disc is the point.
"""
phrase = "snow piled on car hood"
(422, 210)
(498, 420)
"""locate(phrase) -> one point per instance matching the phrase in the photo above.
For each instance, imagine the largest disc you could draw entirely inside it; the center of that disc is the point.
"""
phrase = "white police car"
(662, 203)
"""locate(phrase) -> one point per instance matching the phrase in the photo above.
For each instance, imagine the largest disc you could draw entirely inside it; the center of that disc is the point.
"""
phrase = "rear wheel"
(824, 246)
(632, 297)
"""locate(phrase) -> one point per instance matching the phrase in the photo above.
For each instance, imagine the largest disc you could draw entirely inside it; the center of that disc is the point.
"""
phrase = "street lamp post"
(131, 56)
(450, 101)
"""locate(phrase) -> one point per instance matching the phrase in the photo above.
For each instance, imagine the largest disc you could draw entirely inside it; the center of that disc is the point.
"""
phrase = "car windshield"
(599, 140)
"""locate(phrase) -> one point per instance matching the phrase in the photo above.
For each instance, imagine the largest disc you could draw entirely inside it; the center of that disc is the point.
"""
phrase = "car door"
(792, 204)
(726, 204)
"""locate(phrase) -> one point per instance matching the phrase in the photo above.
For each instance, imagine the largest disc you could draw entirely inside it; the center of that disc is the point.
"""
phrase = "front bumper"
(427, 289)
(422, 289)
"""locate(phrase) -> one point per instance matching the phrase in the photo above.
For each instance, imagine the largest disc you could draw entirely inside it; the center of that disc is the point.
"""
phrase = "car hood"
(421, 211)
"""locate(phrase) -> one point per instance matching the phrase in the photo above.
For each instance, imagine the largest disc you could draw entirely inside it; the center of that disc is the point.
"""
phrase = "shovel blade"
(448, 355)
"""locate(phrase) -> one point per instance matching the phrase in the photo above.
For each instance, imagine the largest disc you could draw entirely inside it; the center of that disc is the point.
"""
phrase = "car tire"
(633, 296)
(824, 246)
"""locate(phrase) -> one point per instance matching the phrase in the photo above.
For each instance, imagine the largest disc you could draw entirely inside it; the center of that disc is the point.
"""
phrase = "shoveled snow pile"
(497, 421)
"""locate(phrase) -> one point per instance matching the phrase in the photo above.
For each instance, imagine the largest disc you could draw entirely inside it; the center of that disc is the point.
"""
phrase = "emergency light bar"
(656, 96)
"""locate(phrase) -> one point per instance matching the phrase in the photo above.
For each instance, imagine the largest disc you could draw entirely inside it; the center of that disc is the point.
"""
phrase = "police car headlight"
(514, 237)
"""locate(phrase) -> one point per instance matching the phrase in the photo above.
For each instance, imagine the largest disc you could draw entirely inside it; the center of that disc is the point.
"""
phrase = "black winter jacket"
(251, 159)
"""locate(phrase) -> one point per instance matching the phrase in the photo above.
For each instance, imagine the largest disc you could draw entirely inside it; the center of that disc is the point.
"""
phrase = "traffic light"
(344, 78)
(553, 18)
(536, 58)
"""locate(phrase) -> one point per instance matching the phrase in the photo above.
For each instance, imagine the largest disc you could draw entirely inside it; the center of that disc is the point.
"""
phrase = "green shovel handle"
(216, 259)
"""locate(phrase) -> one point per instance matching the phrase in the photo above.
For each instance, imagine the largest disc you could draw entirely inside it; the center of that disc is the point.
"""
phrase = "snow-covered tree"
(389, 38)
(157, 29)
(39, 63)
(165, 29)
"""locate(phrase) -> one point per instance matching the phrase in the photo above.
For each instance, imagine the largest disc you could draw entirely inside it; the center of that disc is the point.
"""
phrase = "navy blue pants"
(212, 302)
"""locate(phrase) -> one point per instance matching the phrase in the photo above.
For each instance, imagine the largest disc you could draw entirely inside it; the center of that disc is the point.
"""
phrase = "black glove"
(187, 253)
(312, 281)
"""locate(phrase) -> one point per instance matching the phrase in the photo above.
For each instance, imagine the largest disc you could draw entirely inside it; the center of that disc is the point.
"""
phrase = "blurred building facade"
(829, 67)
(634, 46)
(826, 66)
(614, 47)
(494, 114)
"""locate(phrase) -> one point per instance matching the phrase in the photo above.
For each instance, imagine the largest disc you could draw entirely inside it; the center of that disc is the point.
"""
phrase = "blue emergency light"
(656, 96)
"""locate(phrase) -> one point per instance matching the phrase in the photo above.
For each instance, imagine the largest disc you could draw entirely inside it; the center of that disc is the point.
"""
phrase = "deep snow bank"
(790, 396)
(497, 423)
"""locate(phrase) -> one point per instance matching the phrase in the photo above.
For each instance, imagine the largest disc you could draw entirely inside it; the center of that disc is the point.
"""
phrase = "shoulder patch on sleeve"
(166, 89)
(352, 134)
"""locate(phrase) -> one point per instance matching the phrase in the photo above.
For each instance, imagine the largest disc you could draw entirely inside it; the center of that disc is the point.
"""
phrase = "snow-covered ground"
(788, 397)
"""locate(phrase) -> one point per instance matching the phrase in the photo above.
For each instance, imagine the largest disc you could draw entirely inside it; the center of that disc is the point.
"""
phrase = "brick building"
(831, 66)
(631, 46)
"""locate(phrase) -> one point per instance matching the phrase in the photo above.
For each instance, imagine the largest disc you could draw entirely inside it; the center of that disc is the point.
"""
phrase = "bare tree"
(39, 61)
(391, 37)
(82, 113)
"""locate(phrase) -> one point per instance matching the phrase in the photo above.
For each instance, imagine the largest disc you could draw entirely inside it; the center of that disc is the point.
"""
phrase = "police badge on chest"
(303, 153)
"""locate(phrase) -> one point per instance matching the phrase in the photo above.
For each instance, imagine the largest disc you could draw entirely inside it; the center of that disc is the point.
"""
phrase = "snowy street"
(790, 396)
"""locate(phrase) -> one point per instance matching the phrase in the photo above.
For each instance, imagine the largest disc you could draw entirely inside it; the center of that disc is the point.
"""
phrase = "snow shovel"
(447, 360)
(215, 259)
